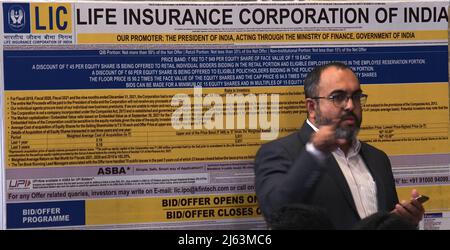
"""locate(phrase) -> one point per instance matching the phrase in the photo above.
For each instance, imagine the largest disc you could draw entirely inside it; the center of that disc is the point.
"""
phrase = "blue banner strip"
(181, 68)
(45, 214)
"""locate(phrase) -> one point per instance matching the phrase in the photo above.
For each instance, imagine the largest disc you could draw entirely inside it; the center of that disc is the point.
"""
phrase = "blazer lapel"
(305, 133)
(336, 174)
(333, 168)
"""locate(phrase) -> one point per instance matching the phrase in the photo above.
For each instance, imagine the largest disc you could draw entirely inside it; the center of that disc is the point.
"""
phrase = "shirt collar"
(356, 144)
(312, 125)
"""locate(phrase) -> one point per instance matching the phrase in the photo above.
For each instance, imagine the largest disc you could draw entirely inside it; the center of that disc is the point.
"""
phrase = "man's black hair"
(312, 79)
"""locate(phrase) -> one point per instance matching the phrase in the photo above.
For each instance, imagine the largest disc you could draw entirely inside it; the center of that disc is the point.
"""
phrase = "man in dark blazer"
(323, 164)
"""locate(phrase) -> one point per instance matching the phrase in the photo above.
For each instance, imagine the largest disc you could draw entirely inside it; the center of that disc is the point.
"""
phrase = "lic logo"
(16, 18)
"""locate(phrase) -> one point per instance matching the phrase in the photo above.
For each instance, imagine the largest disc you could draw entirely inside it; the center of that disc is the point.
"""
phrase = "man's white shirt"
(356, 173)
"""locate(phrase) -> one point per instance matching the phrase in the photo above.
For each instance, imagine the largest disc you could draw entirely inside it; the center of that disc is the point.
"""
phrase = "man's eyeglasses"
(340, 100)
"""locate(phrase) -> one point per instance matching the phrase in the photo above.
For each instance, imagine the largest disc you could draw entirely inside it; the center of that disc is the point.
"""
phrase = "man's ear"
(311, 106)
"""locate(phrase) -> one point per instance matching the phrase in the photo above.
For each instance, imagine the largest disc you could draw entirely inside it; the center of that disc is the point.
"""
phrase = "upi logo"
(19, 184)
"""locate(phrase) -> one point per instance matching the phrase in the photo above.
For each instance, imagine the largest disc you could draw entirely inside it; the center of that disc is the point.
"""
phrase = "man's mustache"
(349, 114)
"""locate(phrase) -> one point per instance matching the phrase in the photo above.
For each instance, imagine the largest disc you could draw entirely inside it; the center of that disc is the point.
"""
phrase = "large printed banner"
(148, 115)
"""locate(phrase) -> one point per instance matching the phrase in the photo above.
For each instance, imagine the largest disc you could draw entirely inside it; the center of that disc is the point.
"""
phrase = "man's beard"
(342, 132)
